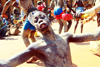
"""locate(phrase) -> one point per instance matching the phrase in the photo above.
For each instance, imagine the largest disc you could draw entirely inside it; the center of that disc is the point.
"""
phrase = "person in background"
(3, 28)
(28, 29)
(58, 11)
(79, 7)
(16, 14)
(41, 6)
(68, 10)
(3, 25)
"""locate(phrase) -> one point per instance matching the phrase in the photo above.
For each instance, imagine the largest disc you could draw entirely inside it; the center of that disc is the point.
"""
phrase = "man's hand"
(2, 63)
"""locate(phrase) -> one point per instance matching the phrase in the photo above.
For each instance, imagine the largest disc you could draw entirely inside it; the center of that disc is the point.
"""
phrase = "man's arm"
(75, 3)
(93, 11)
(86, 36)
(19, 58)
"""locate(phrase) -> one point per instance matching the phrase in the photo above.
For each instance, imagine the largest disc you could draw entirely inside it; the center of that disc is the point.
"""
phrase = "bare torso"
(54, 53)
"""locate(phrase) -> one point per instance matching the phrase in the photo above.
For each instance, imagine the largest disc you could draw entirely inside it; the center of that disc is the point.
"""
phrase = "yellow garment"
(84, 15)
(36, 35)
(88, 13)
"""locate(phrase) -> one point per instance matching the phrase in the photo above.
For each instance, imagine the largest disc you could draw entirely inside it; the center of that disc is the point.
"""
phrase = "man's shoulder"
(67, 34)
(38, 44)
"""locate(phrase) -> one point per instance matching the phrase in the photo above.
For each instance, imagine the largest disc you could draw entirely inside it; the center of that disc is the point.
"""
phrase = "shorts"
(59, 16)
(58, 13)
(28, 25)
(79, 9)
(67, 17)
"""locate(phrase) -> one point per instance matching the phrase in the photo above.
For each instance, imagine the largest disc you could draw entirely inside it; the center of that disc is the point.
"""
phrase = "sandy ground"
(80, 52)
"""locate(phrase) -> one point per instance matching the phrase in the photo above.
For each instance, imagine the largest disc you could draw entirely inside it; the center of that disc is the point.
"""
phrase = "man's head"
(39, 2)
(39, 20)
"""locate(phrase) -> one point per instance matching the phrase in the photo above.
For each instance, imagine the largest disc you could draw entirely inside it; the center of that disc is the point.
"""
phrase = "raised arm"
(86, 36)
(93, 11)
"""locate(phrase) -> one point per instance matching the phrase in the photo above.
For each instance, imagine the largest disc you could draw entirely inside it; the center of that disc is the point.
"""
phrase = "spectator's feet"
(33, 59)
(4, 16)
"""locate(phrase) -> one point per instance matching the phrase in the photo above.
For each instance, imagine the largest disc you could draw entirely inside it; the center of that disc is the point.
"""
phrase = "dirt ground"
(80, 52)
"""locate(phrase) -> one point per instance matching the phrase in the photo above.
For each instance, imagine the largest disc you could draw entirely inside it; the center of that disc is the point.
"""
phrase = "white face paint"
(39, 20)
(35, 16)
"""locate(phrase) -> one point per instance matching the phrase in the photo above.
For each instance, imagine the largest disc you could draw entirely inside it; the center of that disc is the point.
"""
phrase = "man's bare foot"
(4, 16)
(33, 59)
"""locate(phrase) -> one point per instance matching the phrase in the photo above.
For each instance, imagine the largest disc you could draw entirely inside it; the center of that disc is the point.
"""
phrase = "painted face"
(39, 20)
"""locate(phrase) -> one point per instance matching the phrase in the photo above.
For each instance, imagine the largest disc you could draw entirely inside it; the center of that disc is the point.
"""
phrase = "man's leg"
(65, 25)
(28, 28)
(69, 24)
(76, 26)
(81, 27)
(32, 36)
(25, 35)
(34, 58)
(6, 6)
(60, 26)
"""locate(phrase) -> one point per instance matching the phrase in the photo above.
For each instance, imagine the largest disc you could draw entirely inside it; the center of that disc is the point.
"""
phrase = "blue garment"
(28, 25)
(4, 20)
(5, 24)
(79, 9)
(3, 31)
(58, 11)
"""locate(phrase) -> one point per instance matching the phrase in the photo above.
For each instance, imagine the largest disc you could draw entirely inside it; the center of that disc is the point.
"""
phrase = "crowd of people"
(54, 49)
(66, 10)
